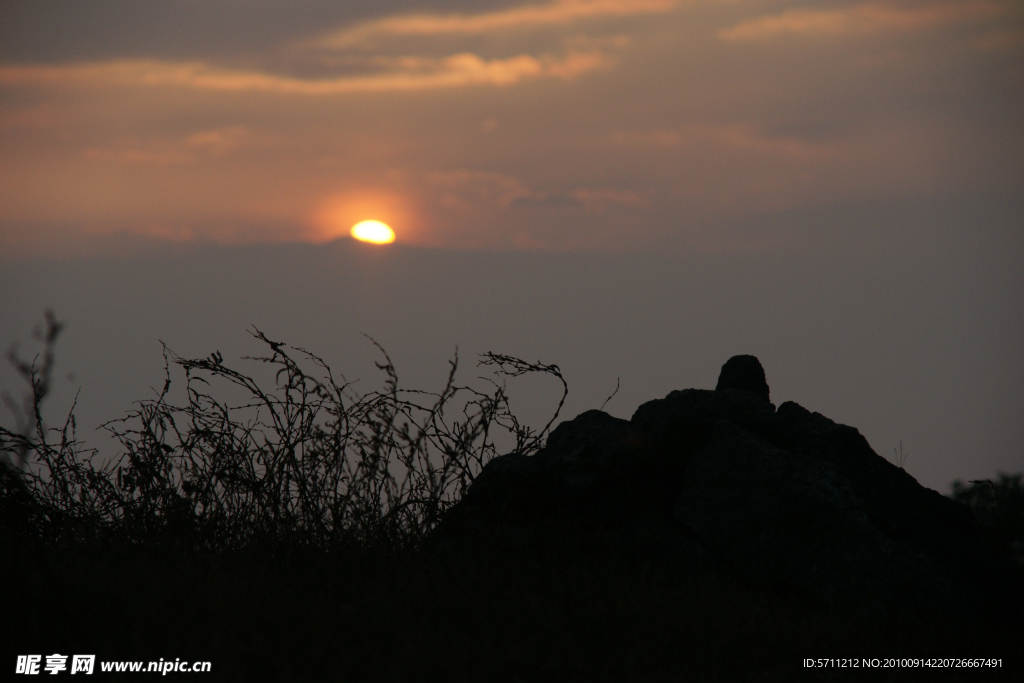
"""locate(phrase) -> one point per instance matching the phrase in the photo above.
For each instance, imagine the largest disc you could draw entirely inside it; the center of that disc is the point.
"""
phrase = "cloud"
(647, 138)
(472, 189)
(204, 144)
(134, 153)
(746, 139)
(865, 19)
(605, 199)
(464, 189)
(727, 136)
(305, 69)
(459, 70)
(556, 13)
(219, 142)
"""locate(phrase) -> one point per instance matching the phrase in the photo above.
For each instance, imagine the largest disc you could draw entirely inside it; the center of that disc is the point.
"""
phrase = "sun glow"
(373, 231)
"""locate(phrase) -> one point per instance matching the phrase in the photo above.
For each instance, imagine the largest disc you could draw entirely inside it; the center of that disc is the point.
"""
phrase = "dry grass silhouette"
(309, 463)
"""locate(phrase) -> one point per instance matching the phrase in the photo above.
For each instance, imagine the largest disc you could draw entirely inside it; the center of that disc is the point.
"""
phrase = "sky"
(635, 190)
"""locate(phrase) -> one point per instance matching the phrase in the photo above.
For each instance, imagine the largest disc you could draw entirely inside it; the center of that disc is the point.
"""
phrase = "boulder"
(743, 373)
(780, 498)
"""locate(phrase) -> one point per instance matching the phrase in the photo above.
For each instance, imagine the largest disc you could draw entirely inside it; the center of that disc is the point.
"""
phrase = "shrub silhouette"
(999, 507)
(308, 463)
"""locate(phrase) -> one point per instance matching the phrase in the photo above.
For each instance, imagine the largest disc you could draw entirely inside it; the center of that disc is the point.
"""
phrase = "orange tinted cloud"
(559, 12)
(863, 19)
(200, 145)
(459, 70)
(603, 199)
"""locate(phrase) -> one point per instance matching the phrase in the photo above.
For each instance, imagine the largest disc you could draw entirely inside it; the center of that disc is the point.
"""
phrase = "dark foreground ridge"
(710, 537)
(784, 499)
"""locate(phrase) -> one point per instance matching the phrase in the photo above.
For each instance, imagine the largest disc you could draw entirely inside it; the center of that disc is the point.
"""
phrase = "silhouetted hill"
(782, 498)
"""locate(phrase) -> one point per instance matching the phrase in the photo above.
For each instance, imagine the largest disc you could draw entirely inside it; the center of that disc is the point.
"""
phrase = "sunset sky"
(835, 140)
(603, 124)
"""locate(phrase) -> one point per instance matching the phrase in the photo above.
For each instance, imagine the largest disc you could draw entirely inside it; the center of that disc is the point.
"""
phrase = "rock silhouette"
(781, 498)
(744, 373)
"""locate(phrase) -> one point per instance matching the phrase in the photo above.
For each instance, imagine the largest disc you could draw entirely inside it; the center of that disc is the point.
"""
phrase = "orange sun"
(373, 231)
